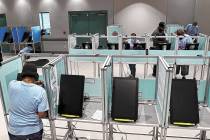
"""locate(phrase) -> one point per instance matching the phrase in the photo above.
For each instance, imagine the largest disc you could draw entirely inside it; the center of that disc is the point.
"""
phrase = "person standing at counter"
(28, 104)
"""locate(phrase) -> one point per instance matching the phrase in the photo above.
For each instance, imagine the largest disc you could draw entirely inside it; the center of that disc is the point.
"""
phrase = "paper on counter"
(97, 115)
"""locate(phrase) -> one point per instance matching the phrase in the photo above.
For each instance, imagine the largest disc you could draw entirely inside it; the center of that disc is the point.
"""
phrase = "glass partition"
(8, 71)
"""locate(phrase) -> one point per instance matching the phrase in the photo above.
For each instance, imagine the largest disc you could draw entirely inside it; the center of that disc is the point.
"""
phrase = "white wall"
(203, 15)
(180, 11)
(25, 12)
(139, 16)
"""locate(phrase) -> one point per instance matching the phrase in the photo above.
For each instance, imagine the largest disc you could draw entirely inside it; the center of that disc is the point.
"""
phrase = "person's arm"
(198, 31)
(42, 114)
(43, 106)
(186, 27)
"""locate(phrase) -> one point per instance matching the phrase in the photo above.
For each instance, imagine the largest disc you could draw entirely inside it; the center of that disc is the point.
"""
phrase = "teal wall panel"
(147, 88)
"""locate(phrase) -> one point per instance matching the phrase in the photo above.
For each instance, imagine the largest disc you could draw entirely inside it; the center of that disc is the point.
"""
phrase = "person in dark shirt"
(159, 43)
(160, 31)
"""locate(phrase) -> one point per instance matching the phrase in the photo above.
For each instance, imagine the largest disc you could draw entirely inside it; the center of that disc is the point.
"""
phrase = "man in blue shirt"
(184, 39)
(192, 29)
(28, 104)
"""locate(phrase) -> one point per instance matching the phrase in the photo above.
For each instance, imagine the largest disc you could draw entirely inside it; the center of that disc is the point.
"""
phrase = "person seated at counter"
(130, 44)
(192, 29)
(160, 43)
(184, 39)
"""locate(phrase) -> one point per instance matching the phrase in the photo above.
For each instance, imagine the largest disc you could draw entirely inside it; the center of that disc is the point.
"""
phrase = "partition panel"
(163, 89)
(8, 71)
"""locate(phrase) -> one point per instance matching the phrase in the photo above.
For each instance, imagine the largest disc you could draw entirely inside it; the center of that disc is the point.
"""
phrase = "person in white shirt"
(131, 41)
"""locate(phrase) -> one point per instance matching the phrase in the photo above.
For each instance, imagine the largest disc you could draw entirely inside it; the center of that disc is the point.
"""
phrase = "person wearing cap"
(160, 31)
(192, 29)
(158, 43)
(28, 104)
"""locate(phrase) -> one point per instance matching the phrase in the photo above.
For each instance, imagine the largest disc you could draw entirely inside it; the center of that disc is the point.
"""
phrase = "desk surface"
(204, 113)
(147, 116)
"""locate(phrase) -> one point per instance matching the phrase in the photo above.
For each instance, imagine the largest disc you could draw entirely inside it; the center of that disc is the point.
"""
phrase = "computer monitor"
(164, 46)
(27, 37)
(139, 46)
(112, 46)
(86, 45)
(8, 37)
(192, 46)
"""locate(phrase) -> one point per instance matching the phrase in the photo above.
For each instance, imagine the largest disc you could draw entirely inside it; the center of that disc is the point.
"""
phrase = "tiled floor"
(93, 135)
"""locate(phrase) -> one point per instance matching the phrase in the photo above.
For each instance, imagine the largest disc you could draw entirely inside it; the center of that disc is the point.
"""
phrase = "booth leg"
(69, 133)
(110, 132)
(105, 133)
(52, 129)
(163, 134)
(203, 135)
(155, 133)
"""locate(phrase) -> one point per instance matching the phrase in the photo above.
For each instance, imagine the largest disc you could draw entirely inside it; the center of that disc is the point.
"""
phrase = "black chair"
(184, 109)
(125, 99)
(139, 46)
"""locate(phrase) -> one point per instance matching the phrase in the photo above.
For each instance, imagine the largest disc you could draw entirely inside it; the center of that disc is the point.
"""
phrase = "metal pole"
(206, 97)
(203, 135)
(51, 120)
(103, 102)
(110, 132)
(157, 76)
(155, 133)
(52, 129)
(3, 106)
(65, 57)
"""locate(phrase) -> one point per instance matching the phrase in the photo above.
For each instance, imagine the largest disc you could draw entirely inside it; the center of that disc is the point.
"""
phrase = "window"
(3, 20)
(44, 19)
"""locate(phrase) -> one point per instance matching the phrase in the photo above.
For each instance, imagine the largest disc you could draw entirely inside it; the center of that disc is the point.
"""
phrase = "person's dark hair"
(195, 23)
(162, 24)
(133, 34)
(30, 70)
